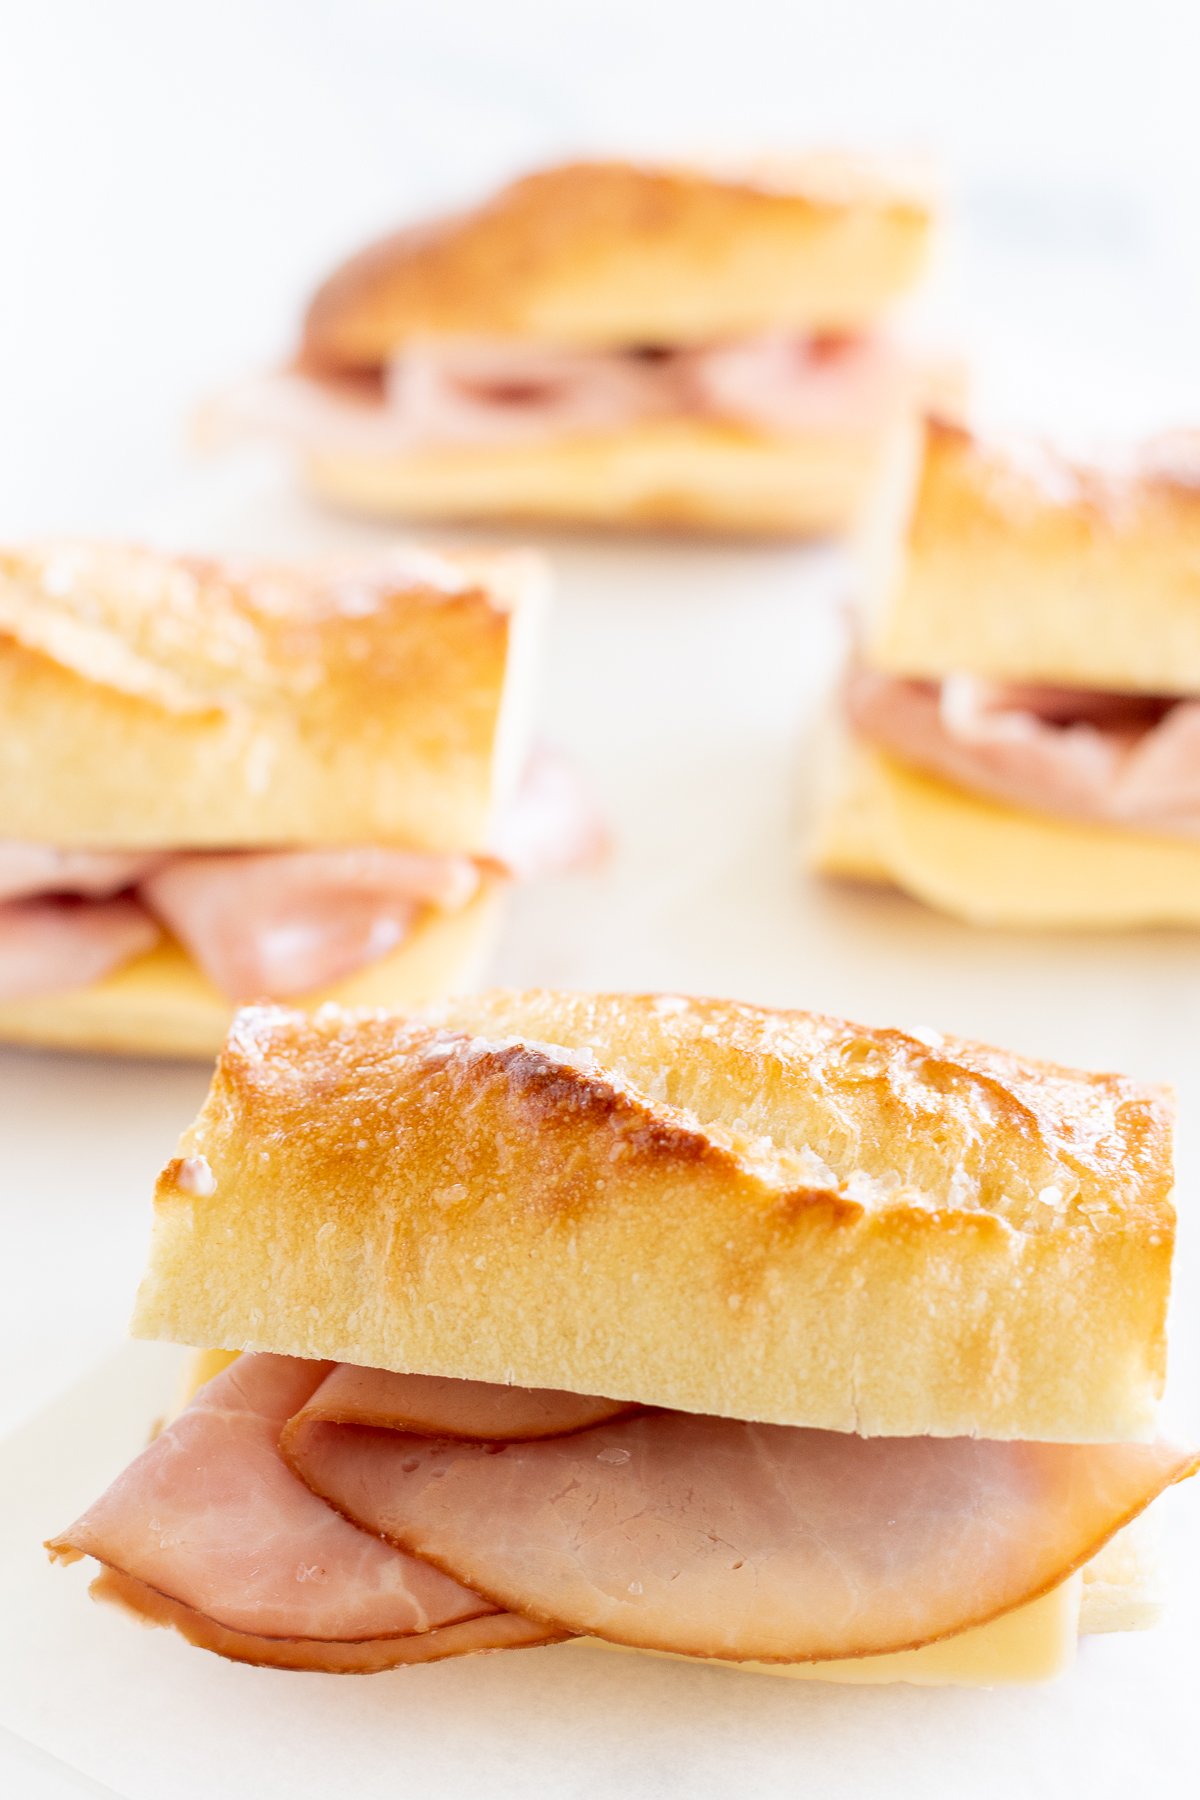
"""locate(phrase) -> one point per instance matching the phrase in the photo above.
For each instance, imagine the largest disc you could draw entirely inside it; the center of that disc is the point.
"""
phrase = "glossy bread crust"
(1020, 564)
(615, 253)
(691, 1203)
(158, 701)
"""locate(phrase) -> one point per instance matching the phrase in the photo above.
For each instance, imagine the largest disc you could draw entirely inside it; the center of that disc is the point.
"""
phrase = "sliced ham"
(48, 946)
(717, 1538)
(788, 385)
(458, 392)
(551, 826)
(29, 869)
(210, 1516)
(368, 1656)
(434, 1404)
(282, 922)
(667, 1531)
(1105, 758)
(464, 391)
(271, 923)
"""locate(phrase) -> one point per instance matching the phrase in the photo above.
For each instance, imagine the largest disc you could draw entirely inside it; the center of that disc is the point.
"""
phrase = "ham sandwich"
(858, 1343)
(1026, 689)
(222, 781)
(617, 343)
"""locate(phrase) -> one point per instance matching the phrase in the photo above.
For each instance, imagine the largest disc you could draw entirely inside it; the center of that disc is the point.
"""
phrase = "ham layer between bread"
(319, 1516)
(1125, 760)
(271, 923)
(469, 392)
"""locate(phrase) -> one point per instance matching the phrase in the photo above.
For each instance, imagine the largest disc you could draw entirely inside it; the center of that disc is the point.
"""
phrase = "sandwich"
(611, 343)
(673, 1325)
(1020, 734)
(222, 782)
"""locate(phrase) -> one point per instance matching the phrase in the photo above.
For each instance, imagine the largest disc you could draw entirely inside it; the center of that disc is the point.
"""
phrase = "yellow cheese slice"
(163, 1004)
(1031, 1643)
(993, 864)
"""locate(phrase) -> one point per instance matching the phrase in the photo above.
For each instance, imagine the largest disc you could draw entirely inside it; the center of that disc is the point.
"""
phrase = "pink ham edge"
(275, 923)
(210, 1516)
(551, 825)
(1102, 758)
(715, 1538)
(28, 869)
(477, 393)
(368, 1656)
(49, 946)
(441, 1406)
(287, 922)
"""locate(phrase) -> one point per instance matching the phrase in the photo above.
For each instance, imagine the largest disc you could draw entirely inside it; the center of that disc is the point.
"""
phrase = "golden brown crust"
(606, 253)
(1022, 564)
(160, 701)
(678, 474)
(162, 1004)
(684, 1202)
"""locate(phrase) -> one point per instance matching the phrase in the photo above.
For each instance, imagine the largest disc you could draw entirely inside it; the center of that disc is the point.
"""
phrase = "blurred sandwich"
(679, 1325)
(221, 782)
(1021, 726)
(616, 344)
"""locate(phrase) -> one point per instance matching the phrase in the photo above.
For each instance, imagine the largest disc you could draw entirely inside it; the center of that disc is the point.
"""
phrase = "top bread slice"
(609, 254)
(1014, 563)
(161, 701)
(691, 1203)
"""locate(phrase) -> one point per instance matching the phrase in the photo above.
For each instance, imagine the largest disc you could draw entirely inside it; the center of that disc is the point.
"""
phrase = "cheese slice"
(1032, 1643)
(993, 864)
(163, 1004)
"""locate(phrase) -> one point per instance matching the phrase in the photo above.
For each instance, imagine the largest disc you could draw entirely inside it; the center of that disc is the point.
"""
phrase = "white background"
(172, 181)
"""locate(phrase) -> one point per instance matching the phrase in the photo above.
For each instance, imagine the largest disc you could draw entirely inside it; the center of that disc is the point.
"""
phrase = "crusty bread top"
(695, 1203)
(161, 700)
(1021, 563)
(614, 253)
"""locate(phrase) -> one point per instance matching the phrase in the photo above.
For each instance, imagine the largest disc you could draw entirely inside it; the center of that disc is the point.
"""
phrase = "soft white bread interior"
(691, 1203)
(162, 1004)
(615, 253)
(1018, 564)
(160, 701)
(991, 863)
(686, 473)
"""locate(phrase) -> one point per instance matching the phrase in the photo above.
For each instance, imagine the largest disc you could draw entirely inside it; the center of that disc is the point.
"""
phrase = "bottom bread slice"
(688, 474)
(162, 1004)
(993, 864)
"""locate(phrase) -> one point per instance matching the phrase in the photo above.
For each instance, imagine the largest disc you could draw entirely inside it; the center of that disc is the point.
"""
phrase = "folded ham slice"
(669, 1531)
(210, 1516)
(466, 392)
(271, 923)
(439, 1406)
(367, 1656)
(551, 826)
(28, 869)
(48, 946)
(283, 922)
(1110, 759)
(717, 1538)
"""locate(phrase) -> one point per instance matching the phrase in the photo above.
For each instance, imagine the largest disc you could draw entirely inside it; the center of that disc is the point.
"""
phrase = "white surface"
(175, 179)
